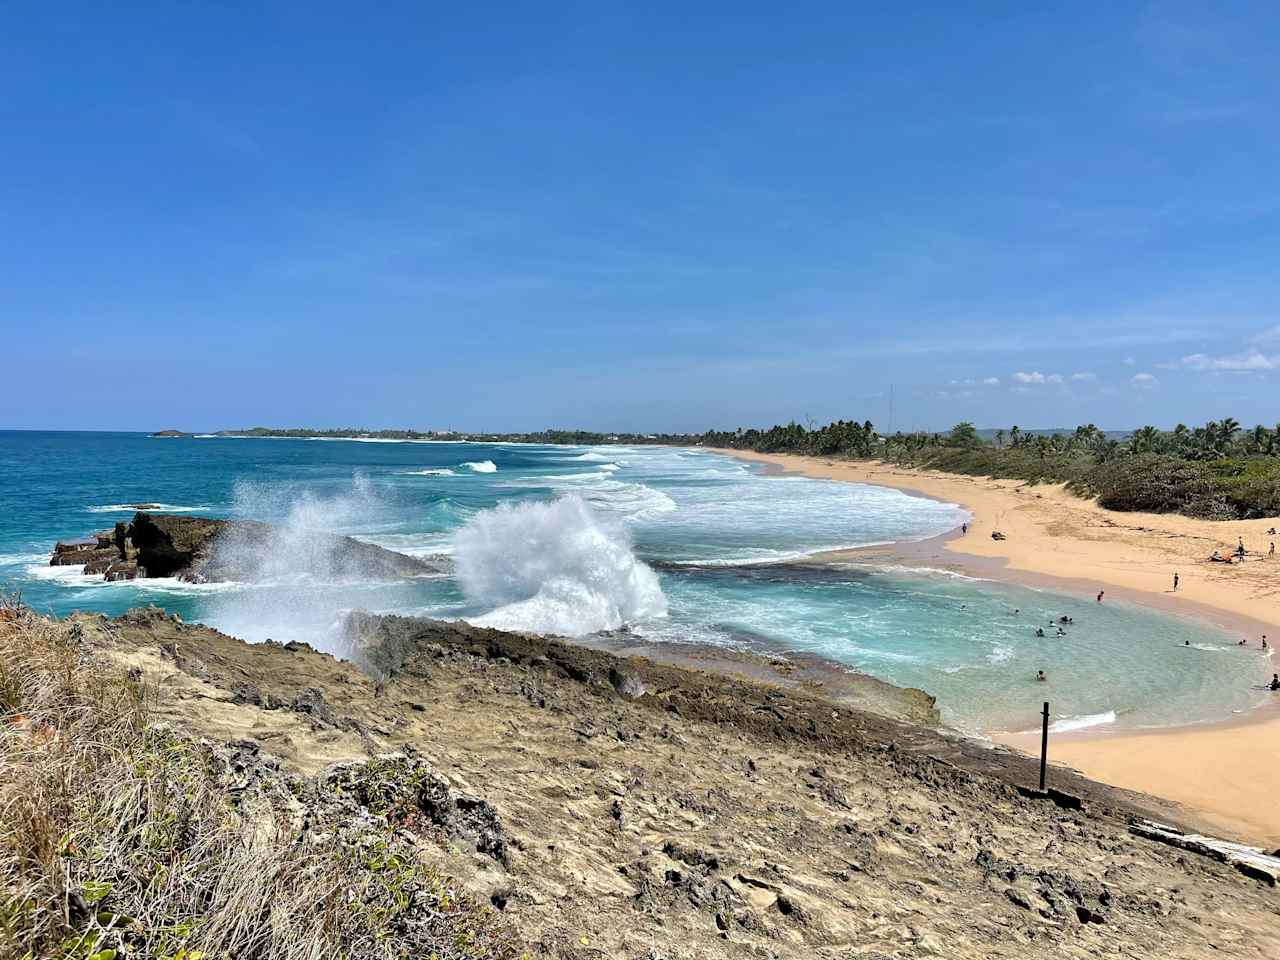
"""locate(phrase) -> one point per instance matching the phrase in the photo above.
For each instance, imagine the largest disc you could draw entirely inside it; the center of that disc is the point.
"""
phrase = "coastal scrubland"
(169, 791)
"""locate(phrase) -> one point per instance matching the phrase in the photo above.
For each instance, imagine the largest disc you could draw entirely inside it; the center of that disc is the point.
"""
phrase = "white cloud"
(992, 381)
(1053, 378)
(1084, 376)
(1249, 360)
(1034, 377)
(1144, 380)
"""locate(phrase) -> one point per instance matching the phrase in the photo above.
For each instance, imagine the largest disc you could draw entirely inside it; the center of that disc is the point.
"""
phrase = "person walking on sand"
(1271, 554)
(1175, 583)
(964, 528)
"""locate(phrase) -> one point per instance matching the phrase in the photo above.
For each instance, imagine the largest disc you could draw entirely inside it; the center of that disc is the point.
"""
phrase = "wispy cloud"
(1238, 362)
(992, 381)
(1035, 376)
(1144, 380)
(1084, 376)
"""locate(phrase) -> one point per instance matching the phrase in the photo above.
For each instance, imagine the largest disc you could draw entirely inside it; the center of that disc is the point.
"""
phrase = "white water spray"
(554, 568)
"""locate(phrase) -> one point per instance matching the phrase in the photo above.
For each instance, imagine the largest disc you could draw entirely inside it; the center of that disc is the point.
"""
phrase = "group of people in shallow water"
(1063, 621)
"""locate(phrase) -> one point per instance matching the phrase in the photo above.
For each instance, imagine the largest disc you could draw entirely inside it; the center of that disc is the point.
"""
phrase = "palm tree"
(1144, 440)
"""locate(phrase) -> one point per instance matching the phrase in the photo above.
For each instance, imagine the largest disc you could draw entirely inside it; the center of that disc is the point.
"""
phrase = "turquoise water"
(680, 545)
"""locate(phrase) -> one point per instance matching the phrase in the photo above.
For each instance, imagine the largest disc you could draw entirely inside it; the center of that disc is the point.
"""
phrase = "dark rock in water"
(204, 550)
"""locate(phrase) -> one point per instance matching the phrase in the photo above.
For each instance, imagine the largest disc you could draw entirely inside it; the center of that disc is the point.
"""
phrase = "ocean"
(679, 545)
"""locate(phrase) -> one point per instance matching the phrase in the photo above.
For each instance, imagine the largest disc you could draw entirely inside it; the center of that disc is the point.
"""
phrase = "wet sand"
(1226, 772)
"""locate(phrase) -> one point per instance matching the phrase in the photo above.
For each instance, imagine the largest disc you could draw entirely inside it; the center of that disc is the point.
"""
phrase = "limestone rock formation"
(204, 550)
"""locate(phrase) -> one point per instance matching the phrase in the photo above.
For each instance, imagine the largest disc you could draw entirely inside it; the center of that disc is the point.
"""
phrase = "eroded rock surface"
(616, 807)
(203, 550)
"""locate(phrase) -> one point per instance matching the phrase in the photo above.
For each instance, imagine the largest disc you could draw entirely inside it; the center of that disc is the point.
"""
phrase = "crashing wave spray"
(554, 568)
(298, 581)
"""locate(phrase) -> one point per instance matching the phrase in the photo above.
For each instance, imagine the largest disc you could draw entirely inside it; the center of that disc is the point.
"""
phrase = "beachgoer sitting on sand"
(1040, 675)
(997, 535)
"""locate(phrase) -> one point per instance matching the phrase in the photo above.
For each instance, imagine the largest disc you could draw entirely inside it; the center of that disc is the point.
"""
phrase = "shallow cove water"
(681, 545)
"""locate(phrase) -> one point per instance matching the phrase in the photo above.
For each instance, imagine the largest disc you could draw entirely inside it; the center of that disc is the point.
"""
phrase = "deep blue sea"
(680, 545)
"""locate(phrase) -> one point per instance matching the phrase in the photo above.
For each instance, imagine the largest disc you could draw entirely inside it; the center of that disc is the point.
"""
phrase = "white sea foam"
(23, 559)
(1082, 723)
(554, 568)
(63, 576)
(150, 505)
(480, 466)
(593, 457)
(441, 472)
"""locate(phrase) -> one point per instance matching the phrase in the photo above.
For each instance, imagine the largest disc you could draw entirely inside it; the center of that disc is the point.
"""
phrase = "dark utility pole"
(1044, 743)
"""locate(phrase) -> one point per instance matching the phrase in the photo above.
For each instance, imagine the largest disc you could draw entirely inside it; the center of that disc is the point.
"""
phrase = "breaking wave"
(301, 559)
(555, 568)
(481, 466)
(143, 505)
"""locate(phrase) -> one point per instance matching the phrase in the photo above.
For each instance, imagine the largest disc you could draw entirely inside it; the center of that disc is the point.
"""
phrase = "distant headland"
(441, 436)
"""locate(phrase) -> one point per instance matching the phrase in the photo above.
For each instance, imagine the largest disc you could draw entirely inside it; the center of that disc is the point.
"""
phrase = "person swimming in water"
(1039, 631)
(1275, 682)
(1100, 595)
(1040, 675)
(1061, 632)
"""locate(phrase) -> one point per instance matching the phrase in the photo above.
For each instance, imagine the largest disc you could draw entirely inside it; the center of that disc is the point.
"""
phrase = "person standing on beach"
(1271, 554)
(1175, 583)
(964, 528)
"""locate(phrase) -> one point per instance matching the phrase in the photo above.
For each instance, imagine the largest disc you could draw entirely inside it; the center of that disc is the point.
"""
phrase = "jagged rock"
(626, 682)
(403, 788)
(202, 550)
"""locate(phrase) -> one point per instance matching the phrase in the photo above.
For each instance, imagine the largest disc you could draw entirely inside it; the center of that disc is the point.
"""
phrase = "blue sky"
(638, 216)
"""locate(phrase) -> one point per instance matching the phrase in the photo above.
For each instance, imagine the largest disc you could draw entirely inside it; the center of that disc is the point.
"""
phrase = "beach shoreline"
(1225, 771)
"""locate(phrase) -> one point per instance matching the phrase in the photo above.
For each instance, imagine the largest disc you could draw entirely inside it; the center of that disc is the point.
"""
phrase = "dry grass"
(121, 838)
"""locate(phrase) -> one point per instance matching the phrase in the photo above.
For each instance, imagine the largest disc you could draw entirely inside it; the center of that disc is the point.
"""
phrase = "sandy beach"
(1227, 773)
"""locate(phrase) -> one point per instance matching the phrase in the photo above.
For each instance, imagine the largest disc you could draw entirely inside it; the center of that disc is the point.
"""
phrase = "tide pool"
(681, 545)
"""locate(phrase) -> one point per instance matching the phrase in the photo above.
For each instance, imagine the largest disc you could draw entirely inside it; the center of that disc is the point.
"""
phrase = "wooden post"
(1044, 743)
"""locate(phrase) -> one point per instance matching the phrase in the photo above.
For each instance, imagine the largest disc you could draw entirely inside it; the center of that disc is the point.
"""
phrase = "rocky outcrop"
(204, 550)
